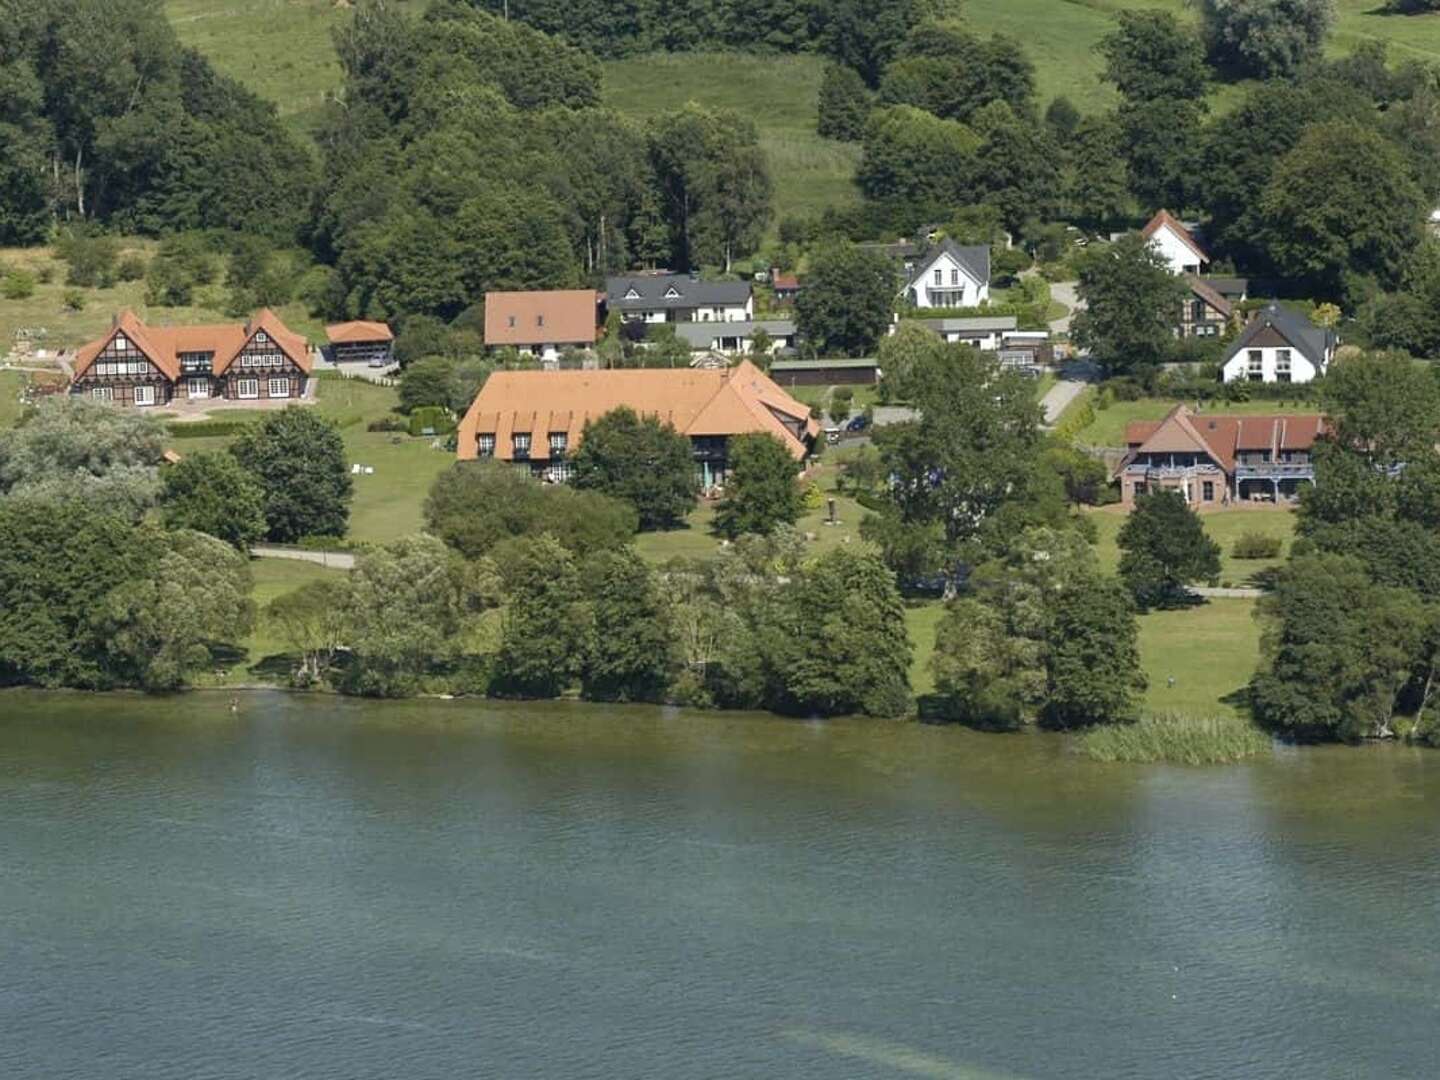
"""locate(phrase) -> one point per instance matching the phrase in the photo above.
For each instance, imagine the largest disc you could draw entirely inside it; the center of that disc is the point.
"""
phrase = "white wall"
(1177, 253)
(1237, 368)
(929, 295)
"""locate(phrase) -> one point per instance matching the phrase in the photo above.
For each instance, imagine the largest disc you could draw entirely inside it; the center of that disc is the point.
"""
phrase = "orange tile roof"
(559, 317)
(359, 330)
(1164, 217)
(162, 345)
(1222, 437)
(696, 401)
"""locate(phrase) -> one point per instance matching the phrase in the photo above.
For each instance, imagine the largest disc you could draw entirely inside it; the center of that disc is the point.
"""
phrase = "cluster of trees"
(1352, 643)
(472, 153)
(96, 599)
(107, 118)
(282, 479)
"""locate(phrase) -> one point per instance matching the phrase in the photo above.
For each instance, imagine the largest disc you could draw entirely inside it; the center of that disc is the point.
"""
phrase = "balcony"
(1275, 470)
(1143, 471)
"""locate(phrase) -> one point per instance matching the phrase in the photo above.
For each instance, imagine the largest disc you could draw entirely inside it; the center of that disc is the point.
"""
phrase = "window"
(199, 388)
(559, 442)
(247, 388)
(939, 277)
(144, 395)
(1208, 491)
(520, 444)
(121, 344)
(631, 294)
(485, 445)
(539, 320)
(1140, 488)
(954, 277)
(261, 338)
(102, 393)
(510, 320)
(279, 387)
(672, 293)
(1282, 365)
(1256, 365)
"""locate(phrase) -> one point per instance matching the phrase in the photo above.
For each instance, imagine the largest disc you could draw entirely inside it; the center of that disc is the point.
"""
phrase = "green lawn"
(778, 92)
(271, 578)
(1108, 428)
(11, 384)
(1211, 651)
(921, 620)
(1223, 526)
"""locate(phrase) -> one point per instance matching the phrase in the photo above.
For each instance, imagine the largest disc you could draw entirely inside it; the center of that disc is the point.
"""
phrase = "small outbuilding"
(360, 342)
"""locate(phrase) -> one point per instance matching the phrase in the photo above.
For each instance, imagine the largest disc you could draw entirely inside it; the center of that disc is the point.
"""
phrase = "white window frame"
(200, 383)
(247, 388)
(485, 445)
(102, 393)
(121, 343)
(149, 398)
(284, 387)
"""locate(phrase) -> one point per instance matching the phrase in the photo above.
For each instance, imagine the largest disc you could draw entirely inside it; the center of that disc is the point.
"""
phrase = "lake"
(317, 887)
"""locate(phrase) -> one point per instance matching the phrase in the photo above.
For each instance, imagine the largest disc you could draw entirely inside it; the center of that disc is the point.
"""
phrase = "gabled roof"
(557, 316)
(974, 259)
(697, 401)
(162, 345)
(1221, 437)
(359, 330)
(1164, 219)
(785, 282)
(673, 290)
(1315, 343)
(1205, 291)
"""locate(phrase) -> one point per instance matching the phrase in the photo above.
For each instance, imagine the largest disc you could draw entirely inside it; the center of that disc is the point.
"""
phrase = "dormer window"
(559, 443)
(631, 294)
(672, 293)
(520, 446)
(485, 445)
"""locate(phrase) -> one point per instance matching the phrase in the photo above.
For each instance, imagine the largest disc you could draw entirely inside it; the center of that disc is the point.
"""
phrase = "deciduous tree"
(761, 490)
(213, 494)
(644, 461)
(1163, 548)
(846, 303)
(1132, 302)
(298, 459)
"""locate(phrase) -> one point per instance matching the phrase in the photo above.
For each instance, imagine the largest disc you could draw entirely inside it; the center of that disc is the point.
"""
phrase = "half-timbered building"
(138, 365)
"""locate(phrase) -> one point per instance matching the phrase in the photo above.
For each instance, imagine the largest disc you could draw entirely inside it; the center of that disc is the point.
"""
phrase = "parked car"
(858, 423)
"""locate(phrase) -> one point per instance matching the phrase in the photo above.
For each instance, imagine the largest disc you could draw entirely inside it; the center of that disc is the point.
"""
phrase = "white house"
(658, 298)
(1176, 244)
(1280, 345)
(950, 276)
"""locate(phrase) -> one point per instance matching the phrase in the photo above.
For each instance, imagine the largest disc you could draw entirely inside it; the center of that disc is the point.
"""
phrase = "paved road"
(1064, 292)
(1227, 594)
(337, 560)
(1058, 397)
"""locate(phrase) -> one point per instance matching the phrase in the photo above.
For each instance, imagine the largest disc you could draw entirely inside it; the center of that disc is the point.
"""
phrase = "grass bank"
(1177, 739)
(779, 93)
(1209, 651)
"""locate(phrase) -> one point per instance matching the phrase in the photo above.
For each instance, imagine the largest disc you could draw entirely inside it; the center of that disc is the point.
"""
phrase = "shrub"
(1176, 738)
(814, 498)
(205, 429)
(74, 299)
(46, 274)
(1254, 545)
(18, 285)
(131, 268)
(388, 423)
(1079, 415)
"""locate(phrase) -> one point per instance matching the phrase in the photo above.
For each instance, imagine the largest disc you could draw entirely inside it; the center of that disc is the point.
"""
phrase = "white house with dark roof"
(1176, 243)
(950, 276)
(658, 298)
(1280, 345)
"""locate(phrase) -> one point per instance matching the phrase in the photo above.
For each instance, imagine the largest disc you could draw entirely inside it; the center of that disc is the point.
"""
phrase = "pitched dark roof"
(974, 258)
(1207, 292)
(1312, 342)
(650, 290)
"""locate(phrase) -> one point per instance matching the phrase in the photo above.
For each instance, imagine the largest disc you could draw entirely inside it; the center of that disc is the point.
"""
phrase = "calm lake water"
(326, 888)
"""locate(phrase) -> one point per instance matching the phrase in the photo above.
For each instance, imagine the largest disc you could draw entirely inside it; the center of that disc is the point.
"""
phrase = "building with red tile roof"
(359, 341)
(543, 322)
(539, 417)
(1176, 243)
(1215, 460)
(141, 365)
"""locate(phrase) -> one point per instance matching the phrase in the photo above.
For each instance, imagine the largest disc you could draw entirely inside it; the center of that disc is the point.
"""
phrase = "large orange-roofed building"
(538, 417)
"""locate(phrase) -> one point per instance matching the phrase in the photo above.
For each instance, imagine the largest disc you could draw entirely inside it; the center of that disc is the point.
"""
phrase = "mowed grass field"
(1222, 526)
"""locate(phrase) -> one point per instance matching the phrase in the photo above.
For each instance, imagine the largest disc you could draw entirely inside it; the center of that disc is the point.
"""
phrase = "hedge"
(205, 429)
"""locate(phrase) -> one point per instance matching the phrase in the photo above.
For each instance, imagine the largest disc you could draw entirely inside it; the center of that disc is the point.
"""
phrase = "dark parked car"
(859, 423)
